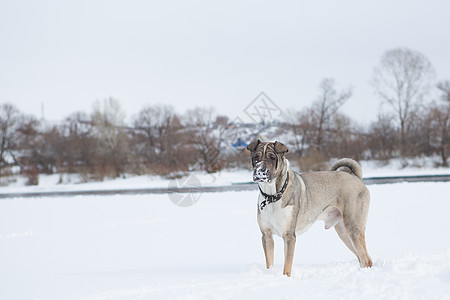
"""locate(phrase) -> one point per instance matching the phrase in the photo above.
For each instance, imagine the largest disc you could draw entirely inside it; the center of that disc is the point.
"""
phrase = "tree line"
(100, 144)
(160, 141)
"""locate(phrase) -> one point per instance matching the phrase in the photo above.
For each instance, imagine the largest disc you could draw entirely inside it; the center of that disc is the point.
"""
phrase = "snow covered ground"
(73, 182)
(145, 247)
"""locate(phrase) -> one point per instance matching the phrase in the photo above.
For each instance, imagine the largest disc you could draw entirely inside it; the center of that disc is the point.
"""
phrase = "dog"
(289, 203)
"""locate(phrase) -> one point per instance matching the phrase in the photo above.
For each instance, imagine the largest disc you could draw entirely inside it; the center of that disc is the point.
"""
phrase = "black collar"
(275, 197)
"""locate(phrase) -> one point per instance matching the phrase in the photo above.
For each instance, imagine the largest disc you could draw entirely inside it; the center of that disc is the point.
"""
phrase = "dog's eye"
(272, 157)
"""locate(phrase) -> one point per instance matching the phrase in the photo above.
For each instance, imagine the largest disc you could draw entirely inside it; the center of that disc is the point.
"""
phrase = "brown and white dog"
(289, 203)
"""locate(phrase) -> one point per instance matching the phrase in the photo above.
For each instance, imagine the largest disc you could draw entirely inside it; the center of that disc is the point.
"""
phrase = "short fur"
(338, 198)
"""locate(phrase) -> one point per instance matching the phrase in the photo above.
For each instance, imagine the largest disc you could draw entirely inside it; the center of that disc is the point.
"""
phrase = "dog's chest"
(276, 218)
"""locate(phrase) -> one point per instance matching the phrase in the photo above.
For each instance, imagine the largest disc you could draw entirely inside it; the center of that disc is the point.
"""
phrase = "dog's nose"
(261, 173)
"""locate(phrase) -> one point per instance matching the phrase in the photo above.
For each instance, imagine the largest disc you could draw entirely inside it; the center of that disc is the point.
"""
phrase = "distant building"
(240, 144)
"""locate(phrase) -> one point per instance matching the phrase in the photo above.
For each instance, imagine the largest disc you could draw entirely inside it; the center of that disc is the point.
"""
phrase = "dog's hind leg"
(340, 229)
(356, 235)
(268, 247)
(354, 220)
(359, 241)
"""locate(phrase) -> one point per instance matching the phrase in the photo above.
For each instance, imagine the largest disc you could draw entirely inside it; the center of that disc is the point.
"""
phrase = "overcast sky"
(68, 54)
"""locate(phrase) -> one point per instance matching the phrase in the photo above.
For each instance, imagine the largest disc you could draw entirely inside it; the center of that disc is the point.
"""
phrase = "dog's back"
(325, 186)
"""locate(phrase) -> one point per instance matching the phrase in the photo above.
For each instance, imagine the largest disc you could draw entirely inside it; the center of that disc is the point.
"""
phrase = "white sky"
(67, 54)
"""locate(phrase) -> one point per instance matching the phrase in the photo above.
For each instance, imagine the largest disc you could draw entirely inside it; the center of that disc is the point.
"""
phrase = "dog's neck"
(271, 188)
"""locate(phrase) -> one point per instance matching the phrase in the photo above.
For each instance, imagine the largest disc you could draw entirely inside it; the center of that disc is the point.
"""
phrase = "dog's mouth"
(261, 173)
(261, 179)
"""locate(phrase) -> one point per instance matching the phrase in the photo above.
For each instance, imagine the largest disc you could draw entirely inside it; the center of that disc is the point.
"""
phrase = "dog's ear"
(280, 147)
(252, 146)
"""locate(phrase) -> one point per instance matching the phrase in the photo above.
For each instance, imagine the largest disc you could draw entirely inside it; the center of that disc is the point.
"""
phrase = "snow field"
(145, 247)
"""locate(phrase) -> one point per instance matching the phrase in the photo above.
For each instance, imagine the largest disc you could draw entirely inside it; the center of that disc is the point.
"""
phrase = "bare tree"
(19, 142)
(158, 131)
(439, 119)
(207, 132)
(316, 128)
(301, 124)
(345, 138)
(80, 154)
(26, 148)
(325, 107)
(402, 79)
(444, 87)
(9, 122)
(154, 122)
(382, 137)
(107, 118)
(108, 121)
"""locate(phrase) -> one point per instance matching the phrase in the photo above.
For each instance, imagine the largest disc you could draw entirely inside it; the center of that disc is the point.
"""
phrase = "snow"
(415, 166)
(145, 247)
(73, 182)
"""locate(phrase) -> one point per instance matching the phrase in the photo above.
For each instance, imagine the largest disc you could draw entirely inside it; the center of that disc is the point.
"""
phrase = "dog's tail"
(354, 167)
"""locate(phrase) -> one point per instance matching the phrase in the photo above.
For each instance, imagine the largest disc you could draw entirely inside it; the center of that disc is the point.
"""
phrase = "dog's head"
(267, 160)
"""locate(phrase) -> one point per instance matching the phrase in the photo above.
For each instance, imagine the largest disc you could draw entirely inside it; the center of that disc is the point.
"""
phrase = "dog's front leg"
(267, 242)
(289, 247)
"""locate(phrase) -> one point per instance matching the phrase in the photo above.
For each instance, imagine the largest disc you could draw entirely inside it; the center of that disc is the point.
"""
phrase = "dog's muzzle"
(261, 173)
